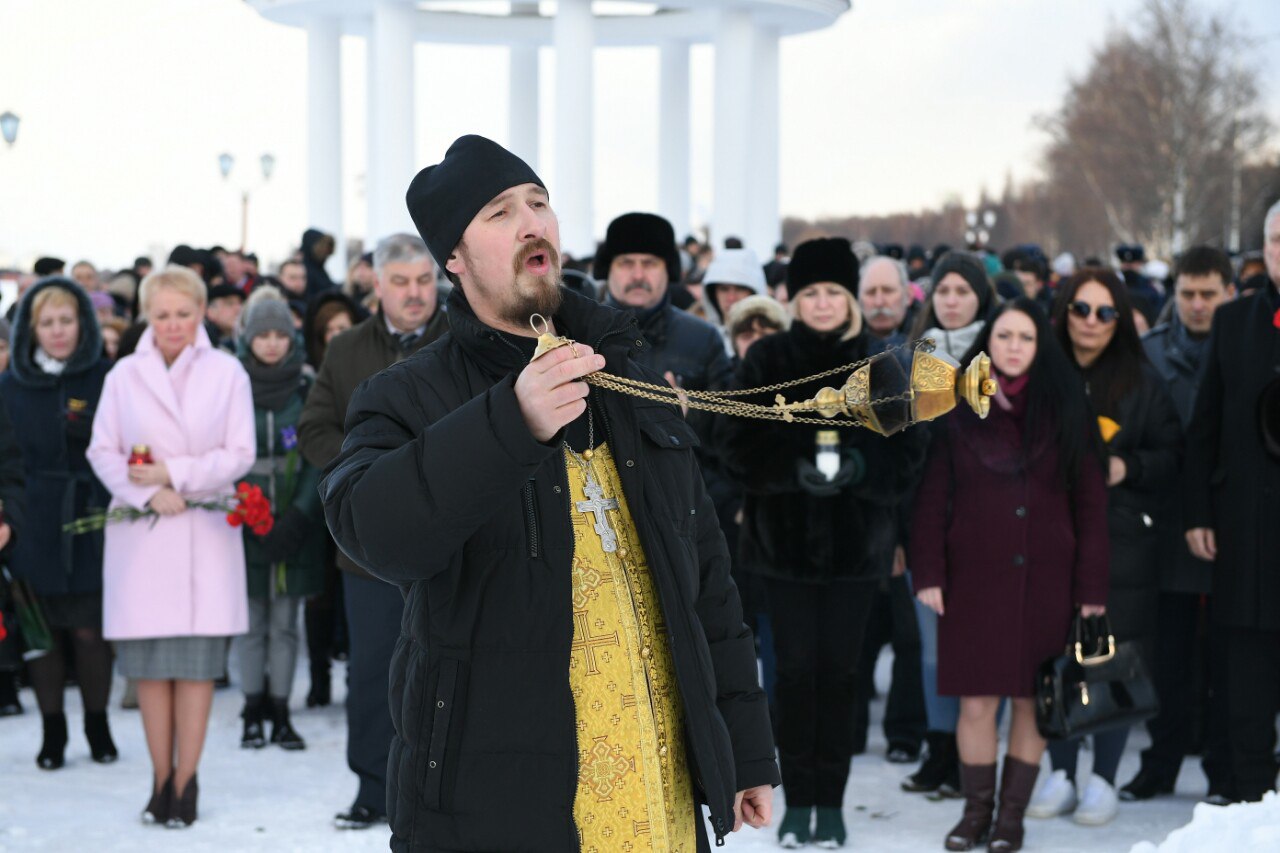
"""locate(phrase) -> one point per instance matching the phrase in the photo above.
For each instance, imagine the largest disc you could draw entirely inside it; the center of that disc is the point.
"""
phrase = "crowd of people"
(1125, 469)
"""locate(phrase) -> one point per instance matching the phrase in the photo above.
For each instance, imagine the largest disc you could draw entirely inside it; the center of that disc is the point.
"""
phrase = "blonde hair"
(52, 297)
(855, 313)
(172, 277)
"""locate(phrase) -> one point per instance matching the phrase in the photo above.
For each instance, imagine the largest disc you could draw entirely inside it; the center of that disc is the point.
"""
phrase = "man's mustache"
(537, 247)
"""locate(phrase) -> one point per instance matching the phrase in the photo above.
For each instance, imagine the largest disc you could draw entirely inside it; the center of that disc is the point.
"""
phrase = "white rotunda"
(745, 36)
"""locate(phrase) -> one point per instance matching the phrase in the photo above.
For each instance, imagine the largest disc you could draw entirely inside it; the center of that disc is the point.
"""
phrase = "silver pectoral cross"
(598, 505)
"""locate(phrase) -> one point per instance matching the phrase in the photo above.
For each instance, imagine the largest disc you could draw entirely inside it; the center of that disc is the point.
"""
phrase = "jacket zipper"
(531, 517)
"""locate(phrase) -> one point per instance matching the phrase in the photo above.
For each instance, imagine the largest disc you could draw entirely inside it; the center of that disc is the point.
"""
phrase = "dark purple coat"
(1012, 549)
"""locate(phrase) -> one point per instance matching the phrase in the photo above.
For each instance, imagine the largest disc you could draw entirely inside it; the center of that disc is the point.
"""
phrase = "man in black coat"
(453, 483)
(408, 319)
(1176, 350)
(1233, 487)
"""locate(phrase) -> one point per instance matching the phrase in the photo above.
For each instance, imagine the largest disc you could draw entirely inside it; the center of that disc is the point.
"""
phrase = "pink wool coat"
(185, 575)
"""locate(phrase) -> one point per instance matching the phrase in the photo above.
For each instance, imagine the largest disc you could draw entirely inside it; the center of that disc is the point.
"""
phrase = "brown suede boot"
(1016, 784)
(978, 782)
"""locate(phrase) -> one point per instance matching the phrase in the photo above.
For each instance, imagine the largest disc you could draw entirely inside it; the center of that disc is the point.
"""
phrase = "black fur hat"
(824, 259)
(638, 233)
(1131, 253)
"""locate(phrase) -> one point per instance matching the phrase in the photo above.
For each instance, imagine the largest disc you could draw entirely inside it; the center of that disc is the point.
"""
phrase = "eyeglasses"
(1104, 313)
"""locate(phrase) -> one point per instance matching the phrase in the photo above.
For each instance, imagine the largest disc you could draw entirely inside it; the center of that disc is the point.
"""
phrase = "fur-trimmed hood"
(23, 343)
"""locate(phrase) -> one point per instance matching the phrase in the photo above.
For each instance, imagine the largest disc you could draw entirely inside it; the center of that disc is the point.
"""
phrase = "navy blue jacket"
(52, 419)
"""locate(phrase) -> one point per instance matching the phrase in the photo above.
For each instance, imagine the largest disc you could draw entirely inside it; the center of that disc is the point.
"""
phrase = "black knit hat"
(824, 259)
(49, 266)
(968, 267)
(638, 234)
(444, 198)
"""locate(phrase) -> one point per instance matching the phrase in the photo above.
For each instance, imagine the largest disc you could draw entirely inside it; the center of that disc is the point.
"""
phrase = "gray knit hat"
(267, 315)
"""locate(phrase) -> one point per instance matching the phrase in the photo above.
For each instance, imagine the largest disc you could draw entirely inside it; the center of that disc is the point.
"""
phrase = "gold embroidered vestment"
(634, 792)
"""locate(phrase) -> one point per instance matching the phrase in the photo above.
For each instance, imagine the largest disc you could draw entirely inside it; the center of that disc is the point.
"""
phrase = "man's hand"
(550, 391)
(167, 502)
(680, 394)
(1116, 471)
(931, 597)
(899, 562)
(6, 533)
(753, 806)
(1203, 543)
(149, 474)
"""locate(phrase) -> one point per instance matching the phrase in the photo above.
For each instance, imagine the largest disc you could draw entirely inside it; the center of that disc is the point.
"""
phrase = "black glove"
(814, 482)
(286, 536)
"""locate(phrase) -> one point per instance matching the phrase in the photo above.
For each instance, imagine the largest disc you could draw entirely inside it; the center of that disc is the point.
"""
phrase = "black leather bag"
(1097, 684)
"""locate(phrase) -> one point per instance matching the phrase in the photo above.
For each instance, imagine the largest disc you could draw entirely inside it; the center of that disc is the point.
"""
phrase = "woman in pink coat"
(174, 591)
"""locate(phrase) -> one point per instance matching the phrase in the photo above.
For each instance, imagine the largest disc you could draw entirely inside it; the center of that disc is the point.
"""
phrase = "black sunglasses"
(1104, 313)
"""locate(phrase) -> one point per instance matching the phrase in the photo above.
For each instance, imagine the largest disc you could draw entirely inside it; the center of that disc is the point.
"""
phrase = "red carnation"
(233, 519)
(1275, 319)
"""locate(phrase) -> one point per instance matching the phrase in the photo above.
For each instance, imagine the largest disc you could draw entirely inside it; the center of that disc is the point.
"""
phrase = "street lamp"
(9, 127)
(226, 163)
(980, 226)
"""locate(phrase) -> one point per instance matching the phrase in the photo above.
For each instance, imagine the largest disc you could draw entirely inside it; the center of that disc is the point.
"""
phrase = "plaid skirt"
(163, 658)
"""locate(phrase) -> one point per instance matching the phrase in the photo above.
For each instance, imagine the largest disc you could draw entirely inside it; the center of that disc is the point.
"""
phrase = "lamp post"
(226, 162)
(9, 127)
(979, 230)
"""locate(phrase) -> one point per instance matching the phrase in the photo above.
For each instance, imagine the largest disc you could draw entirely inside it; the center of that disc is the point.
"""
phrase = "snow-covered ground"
(271, 800)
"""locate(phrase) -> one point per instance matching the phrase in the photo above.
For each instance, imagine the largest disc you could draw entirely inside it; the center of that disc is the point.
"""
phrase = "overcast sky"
(125, 106)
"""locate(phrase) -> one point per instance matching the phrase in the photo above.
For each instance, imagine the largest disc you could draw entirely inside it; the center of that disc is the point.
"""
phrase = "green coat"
(304, 571)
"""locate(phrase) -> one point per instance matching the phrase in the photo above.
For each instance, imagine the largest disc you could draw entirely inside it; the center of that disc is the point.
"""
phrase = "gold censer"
(885, 393)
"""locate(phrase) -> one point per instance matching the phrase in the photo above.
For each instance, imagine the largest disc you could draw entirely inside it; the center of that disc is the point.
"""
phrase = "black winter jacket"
(52, 419)
(786, 532)
(1150, 443)
(1232, 483)
(442, 489)
(1178, 360)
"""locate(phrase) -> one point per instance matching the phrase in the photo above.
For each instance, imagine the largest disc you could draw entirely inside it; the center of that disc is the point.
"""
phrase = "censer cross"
(882, 393)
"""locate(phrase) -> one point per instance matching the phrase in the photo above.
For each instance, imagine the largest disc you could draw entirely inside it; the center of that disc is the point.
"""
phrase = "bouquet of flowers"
(248, 506)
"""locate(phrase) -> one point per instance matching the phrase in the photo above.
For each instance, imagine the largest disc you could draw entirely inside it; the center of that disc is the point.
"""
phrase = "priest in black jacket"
(458, 481)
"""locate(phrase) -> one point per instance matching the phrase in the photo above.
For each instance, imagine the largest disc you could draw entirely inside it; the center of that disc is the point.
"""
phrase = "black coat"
(1150, 443)
(12, 494)
(52, 419)
(441, 488)
(1232, 483)
(1177, 359)
(786, 532)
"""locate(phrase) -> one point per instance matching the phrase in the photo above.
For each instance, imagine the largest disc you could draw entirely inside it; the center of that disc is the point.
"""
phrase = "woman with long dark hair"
(1094, 323)
(1007, 539)
(821, 541)
(51, 391)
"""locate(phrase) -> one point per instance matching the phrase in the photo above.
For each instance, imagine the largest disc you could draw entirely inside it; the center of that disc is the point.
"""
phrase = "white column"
(673, 135)
(732, 134)
(522, 93)
(765, 227)
(391, 164)
(324, 138)
(574, 188)
(522, 109)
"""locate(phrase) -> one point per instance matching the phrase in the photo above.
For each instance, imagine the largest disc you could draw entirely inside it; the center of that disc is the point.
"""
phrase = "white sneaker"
(1098, 803)
(1056, 796)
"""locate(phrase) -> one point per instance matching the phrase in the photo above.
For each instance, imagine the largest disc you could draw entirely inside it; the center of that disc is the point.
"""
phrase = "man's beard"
(534, 294)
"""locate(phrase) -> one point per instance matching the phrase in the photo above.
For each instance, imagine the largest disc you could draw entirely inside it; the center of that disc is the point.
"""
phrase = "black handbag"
(1097, 684)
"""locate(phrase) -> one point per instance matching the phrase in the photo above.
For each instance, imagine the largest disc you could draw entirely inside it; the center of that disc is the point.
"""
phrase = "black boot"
(9, 704)
(160, 807)
(183, 813)
(319, 696)
(253, 737)
(55, 742)
(940, 765)
(101, 746)
(281, 731)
